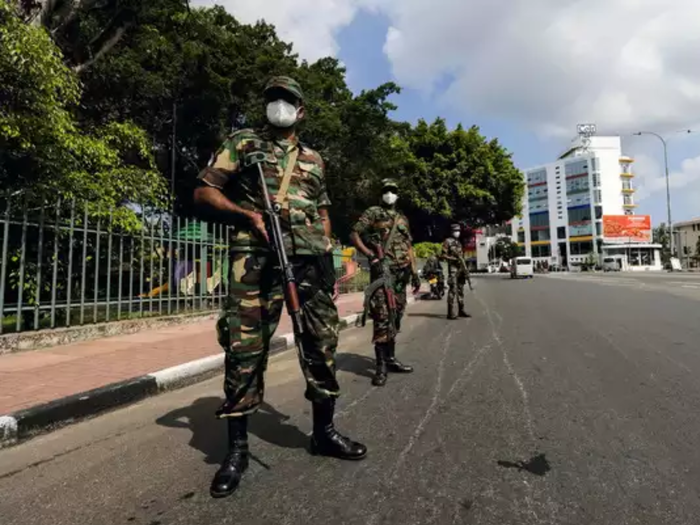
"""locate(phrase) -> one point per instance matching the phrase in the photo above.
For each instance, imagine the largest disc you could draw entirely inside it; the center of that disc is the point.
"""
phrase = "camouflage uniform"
(456, 276)
(374, 229)
(374, 226)
(255, 301)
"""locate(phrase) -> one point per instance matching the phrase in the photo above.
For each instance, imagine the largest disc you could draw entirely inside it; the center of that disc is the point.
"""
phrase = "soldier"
(457, 272)
(387, 227)
(252, 310)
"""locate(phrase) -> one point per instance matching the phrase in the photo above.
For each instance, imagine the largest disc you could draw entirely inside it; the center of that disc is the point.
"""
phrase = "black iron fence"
(67, 264)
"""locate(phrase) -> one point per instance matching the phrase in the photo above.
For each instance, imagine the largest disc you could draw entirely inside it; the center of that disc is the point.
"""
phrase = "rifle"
(385, 281)
(466, 272)
(463, 265)
(291, 295)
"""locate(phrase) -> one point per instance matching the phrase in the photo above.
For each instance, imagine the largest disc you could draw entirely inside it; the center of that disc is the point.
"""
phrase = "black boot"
(451, 312)
(392, 364)
(380, 351)
(326, 440)
(228, 477)
(462, 313)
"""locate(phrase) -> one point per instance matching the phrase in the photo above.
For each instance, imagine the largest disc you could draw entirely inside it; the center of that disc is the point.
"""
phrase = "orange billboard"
(627, 228)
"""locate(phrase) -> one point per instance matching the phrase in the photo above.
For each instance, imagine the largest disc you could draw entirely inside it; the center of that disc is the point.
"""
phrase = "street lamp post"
(668, 187)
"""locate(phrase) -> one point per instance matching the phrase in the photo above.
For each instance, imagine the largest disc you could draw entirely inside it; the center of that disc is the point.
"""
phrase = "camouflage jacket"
(432, 265)
(374, 226)
(301, 223)
(453, 248)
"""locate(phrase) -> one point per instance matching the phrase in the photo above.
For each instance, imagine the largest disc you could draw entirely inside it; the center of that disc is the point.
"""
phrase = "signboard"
(627, 228)
(587, 130)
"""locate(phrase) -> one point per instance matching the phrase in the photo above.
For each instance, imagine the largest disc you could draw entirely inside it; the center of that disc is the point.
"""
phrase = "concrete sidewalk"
(44, 388)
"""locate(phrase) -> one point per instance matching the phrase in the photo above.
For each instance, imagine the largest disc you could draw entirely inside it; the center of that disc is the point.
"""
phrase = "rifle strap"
(392, 233)
(286, 179)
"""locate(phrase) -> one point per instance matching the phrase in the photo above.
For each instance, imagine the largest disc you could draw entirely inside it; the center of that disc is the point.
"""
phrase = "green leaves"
(457, 175)
(44, 149)
(151, 70)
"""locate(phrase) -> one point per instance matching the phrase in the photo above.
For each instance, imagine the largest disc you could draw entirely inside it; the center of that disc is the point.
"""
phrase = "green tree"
(43, 149)
(505, 249)
(661, 235)
(457, 175)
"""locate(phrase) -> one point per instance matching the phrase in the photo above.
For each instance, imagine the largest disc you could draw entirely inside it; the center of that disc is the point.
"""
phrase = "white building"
(687, 241)
(562, 221)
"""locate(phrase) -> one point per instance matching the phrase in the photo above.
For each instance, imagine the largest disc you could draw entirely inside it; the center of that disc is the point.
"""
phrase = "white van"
(612, 263)
(521, 267)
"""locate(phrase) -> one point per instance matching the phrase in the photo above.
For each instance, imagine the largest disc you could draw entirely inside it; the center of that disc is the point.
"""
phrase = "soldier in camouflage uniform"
(375, 227)
(457, 275)
(295, 177)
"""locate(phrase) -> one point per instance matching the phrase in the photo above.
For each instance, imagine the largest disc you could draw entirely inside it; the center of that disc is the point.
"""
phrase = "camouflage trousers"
(250, 316)
(379, 308)
(456, 281)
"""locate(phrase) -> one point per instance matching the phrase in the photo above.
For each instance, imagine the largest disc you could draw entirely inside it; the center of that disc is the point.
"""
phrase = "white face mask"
(455, 235)
(390, 198)
(281, 114)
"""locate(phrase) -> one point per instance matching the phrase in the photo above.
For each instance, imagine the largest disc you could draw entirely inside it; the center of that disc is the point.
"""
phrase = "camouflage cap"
(286, 83)
(389, 183)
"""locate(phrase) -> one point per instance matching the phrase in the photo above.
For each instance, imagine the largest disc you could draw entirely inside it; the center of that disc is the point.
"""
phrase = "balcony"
(629, 206)
(627, 175)
(628, 191)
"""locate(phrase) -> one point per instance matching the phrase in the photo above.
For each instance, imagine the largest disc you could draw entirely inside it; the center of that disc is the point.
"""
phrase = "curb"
(25, 424)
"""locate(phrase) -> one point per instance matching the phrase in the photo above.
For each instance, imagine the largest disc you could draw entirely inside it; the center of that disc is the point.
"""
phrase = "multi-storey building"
(687, 241)
(562, 219)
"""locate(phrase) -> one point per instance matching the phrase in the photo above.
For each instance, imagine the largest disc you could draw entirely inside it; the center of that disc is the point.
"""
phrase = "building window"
(598, 212)
(537, 177)
(579, 215)
(596, 180)
(576, 168)
(561, 232)
(598, 229)
(539, 219)
(627, 199)
(598, 196)
(626, 185)
(542, 251)
(521, 237)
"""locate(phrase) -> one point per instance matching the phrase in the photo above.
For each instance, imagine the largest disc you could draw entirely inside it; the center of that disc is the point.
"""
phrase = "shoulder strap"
(286, 179)
(391, 233)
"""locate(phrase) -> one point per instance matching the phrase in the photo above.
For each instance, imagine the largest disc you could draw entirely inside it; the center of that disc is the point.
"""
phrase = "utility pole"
(668, 185)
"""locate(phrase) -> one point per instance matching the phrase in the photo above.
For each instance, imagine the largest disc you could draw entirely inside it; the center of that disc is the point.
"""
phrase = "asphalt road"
(561, 401)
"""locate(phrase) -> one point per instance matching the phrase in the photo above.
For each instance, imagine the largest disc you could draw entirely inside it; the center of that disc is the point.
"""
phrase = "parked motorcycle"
(437, 286)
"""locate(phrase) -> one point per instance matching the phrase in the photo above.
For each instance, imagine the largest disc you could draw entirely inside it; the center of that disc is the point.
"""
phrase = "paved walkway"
(31, 378)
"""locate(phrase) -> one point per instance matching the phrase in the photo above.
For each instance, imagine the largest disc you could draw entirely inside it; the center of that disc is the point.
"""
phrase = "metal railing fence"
(66, 263)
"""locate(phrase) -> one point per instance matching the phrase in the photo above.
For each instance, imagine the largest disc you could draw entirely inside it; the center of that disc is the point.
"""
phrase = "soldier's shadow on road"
(209, 434)
(360, 365)
(428, 315)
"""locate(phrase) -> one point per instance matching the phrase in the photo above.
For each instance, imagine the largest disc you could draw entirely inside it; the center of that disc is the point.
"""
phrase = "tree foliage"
(661, 235)
(160, 78)
(456, 175)
(505, 249)
(43, 148)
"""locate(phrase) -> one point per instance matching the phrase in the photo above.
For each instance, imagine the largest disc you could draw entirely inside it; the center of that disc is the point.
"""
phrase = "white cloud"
(623, 64)
(311, 25)
(650, 183)
(545, 64)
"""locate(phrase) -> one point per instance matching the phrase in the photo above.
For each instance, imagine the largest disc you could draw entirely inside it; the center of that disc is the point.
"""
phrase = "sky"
(526, 72)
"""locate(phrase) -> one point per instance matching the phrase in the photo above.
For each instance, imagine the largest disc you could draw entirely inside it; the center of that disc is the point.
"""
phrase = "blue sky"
(525, 72)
